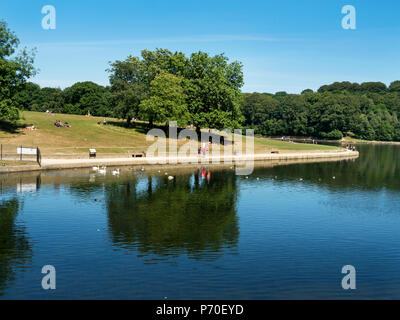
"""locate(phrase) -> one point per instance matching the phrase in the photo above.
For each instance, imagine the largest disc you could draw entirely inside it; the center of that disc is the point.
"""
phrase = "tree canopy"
(206, 89)
(15, 68)
(87, 96)
(368, 111)
(166, 100)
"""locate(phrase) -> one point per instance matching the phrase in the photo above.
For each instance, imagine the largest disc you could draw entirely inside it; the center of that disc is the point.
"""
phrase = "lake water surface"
(285, 232)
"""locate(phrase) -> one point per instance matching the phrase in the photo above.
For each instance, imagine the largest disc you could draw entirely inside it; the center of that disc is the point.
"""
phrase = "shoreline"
(57, 164)
(341, 141)
(370, 142)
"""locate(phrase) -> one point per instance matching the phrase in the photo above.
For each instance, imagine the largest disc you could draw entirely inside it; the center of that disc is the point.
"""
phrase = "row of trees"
(367, 111)
(371, 113)
(77, 99)
(158, 87)
(15, 68)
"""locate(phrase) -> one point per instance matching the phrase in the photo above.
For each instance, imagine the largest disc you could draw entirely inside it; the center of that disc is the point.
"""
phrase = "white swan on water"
(103, 170)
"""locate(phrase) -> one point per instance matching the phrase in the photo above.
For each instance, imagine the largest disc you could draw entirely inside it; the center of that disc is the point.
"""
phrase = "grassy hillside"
(89, 132)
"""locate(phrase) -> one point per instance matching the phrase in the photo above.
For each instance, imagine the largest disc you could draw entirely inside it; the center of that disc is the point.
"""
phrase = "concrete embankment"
(51, 164)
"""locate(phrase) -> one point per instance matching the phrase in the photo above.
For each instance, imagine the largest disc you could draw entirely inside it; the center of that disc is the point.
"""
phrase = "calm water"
(285, 232)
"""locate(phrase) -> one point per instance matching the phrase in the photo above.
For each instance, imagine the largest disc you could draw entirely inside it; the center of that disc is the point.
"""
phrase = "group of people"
(350, 147)
(203, 149)
(205, 174)
(104, 122)
(288, 140)
(58, 123)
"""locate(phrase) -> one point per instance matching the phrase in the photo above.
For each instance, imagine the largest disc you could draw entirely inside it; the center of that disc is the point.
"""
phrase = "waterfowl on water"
(115, 172)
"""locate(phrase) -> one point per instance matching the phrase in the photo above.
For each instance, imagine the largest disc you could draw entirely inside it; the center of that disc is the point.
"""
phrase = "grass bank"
(113, 138)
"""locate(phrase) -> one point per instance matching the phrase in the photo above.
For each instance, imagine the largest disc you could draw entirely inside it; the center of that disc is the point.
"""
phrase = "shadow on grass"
(11, 127)
(138, 126)
(144, 128)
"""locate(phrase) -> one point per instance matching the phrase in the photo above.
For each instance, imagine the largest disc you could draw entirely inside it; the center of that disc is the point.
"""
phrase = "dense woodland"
(367, 111)
(203, 91)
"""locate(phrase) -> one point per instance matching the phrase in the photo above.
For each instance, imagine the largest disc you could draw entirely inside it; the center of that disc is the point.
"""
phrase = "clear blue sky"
(285, 45)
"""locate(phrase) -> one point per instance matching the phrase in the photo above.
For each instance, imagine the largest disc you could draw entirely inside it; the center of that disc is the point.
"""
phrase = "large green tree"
(166, 101)
(131, 80)
(84, 96)
(129, 86)
(29, 97)
(212, 87)
(15, 69)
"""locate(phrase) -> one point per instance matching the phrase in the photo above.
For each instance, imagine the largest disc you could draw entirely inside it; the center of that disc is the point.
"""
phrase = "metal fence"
(20, 153)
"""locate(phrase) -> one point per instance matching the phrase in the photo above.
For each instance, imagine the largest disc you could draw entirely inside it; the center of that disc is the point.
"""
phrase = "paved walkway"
(198, 159)
(85, 163)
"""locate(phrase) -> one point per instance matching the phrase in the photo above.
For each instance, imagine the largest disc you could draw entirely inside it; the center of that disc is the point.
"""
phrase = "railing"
(20, 153)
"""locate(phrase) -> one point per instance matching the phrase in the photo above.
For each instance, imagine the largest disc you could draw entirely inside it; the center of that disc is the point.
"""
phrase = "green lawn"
(89, 132)
(284, 145)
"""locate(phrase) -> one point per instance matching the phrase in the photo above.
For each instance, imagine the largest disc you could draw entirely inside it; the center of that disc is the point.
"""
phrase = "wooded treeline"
(160, 86)
(367, 111)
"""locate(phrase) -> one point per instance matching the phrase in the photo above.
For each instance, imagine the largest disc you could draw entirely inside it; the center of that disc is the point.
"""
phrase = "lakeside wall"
(54, 164)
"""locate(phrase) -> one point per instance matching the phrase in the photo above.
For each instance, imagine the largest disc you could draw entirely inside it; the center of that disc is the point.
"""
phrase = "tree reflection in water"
(377, 167)
(190, 214)
(15, 249)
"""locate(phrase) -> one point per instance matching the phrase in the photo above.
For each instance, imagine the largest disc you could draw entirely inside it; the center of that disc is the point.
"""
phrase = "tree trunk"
(198, 132)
